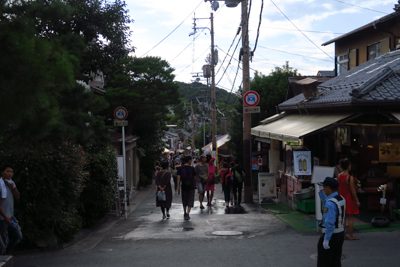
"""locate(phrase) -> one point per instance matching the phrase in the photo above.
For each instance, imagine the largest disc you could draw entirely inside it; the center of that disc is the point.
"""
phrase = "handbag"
(212, 180)
(161, 196)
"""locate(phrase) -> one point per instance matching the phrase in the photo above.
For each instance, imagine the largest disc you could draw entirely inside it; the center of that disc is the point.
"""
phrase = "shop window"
(342, 63)
(373, 51)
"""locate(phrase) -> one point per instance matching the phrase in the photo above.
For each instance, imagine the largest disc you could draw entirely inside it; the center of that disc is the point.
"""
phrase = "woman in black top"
(163, 183)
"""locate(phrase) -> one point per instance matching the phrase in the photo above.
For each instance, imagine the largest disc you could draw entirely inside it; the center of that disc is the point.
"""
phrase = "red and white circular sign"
(120, 113)
(251, 99)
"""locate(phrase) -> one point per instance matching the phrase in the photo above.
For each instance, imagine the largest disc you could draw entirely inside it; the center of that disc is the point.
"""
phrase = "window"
(342, 63)
(373, 51)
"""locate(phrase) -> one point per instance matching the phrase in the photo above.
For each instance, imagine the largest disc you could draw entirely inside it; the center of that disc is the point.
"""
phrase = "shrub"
(49, 175)
(100, 188)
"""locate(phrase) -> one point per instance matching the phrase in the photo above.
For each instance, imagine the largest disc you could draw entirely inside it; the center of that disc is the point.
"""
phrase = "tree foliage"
(145, 87)
(272, 90)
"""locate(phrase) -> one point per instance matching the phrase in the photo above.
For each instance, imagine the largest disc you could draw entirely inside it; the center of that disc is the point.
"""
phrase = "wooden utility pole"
(213, 101)
(193, 146)
(248, 187)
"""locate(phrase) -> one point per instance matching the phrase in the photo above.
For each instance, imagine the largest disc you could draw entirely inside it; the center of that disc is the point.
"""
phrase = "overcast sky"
(279, 40)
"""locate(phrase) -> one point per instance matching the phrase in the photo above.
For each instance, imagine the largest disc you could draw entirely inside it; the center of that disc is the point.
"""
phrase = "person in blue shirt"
(331, 241)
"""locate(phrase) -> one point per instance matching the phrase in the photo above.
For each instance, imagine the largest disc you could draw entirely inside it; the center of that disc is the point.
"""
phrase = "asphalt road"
(247, 236)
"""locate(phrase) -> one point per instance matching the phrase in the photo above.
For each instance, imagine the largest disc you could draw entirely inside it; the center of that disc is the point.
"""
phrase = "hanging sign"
(251, 99)
(302, 162)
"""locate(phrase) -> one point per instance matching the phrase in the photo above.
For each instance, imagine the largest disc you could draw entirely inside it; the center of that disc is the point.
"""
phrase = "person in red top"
(226, 181)
(348, 191)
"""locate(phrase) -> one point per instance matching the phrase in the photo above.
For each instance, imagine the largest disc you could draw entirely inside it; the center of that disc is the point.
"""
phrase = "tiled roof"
(377, 80)
(326, 72)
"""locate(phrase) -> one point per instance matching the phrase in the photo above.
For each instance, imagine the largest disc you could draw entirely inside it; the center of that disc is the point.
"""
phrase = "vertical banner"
(302, 162)
(266, 185)
(254, 165)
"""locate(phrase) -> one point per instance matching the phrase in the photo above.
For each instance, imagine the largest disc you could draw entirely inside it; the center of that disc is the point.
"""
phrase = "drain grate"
(181, 229)
(315, 256)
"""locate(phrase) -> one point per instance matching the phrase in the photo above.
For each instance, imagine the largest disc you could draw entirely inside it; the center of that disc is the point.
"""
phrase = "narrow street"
(248, 236)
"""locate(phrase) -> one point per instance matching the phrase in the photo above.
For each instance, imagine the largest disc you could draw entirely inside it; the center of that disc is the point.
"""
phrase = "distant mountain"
(193, 90)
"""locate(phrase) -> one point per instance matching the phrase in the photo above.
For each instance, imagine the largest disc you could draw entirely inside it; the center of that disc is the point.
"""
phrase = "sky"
(161, 28)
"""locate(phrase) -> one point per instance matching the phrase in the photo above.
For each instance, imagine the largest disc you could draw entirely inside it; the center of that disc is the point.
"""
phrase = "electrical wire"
(276, 28)
(295, 54)
(173, 30)
(229, 60)
(233, 85)
(299, 29)
(194, 61)
(259, 24)
(361, 7)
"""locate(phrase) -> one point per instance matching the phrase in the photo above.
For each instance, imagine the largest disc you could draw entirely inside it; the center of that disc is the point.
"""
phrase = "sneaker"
(208, 204)
(164, 217)
(185, 216)
(168, 215)
(188, 216)
(202, 207)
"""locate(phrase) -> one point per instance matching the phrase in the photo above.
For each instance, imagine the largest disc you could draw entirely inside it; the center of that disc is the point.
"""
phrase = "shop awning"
(180, 151)
(166, 150)
(292, 127)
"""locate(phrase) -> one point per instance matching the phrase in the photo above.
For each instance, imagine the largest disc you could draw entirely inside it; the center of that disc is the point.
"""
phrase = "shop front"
(354, 116)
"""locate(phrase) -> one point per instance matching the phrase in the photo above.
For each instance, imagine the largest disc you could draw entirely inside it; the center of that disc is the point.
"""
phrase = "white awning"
(292, 127)
(166, 150)
(180, 151)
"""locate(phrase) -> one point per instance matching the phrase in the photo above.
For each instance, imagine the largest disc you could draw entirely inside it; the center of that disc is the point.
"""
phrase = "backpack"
(227, 178)
(237, 177)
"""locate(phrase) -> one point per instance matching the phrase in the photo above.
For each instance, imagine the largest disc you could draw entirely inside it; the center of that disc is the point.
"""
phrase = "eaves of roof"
(371, 24)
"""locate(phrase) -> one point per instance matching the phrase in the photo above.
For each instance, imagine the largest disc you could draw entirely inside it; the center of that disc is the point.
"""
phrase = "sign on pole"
(120, 115)
(251, 109)
(251, 99)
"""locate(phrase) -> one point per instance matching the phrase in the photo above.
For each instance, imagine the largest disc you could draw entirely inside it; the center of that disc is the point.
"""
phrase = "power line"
(276, 28)
(194, 61)
(173, 30)
(259, 24)
(294, 54)
(361, 7)
(299, 29)
(230, 59)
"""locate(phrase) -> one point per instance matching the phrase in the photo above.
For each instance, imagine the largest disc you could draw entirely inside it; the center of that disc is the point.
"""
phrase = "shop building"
(355, 115)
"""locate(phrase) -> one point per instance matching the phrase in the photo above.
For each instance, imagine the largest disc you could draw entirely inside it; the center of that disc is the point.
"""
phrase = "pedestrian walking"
(10, 231)
(156, 170)
(331, 241)
(201, 178)
(237, 184)
(348, 191)
(163, 184)
(187, 174)
(175, 177)
(226, 181)
(212, 180)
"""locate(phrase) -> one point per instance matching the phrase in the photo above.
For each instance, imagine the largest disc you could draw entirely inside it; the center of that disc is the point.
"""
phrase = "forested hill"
(192, 90)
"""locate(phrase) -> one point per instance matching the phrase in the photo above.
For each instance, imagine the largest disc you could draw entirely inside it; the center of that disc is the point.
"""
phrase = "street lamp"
(248, 188)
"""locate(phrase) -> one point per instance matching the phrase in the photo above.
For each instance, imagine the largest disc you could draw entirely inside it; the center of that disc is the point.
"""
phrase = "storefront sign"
(302, 162)
(266, 185)
(389, 152)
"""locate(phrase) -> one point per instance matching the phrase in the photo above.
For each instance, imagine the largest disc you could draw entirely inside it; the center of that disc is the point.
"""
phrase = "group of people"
(203, 177)
(10, 231)
(340, 204)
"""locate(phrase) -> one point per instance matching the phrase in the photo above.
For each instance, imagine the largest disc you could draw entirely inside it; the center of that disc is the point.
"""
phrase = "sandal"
(355, 238)
(345, 238)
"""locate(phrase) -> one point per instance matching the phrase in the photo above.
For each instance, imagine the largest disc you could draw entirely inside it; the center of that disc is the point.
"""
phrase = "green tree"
(272, 90)
(145, 87)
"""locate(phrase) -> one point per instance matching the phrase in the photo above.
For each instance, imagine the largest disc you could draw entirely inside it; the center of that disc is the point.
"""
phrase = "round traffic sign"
(120, 113)
(251, 98)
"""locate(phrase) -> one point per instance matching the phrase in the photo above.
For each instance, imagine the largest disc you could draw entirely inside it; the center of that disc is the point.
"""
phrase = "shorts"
(188, 198)
(201, 187)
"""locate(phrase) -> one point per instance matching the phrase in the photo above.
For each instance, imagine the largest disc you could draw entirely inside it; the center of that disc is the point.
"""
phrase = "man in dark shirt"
(187, 174)
(238, 183)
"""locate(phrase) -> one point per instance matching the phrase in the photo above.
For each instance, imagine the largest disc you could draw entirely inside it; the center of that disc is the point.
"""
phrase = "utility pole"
(248, 187)
(213, 101)
(193, 147)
